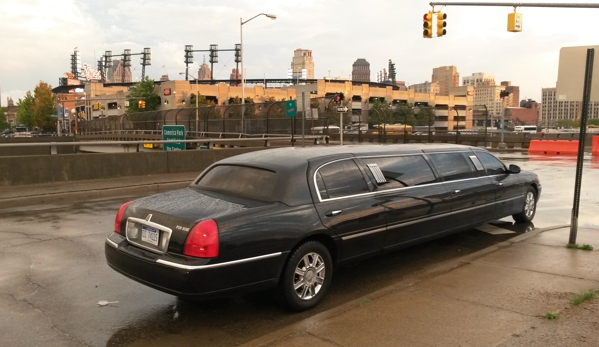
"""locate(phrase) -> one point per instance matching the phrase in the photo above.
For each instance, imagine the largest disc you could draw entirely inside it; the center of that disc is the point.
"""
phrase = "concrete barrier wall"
(33, 169)
(41, 150)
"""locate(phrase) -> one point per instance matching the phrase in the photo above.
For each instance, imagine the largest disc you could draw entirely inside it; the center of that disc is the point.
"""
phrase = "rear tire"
(529, 208)
(307, 276)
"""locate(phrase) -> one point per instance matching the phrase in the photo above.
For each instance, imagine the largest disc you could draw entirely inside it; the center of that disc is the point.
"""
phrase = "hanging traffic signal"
(96, 106)
(427, 25)
(339, 97)
(141, 104)
(441, 24)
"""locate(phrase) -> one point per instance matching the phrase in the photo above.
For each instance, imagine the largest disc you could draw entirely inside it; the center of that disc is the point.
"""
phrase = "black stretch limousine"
(288, 216)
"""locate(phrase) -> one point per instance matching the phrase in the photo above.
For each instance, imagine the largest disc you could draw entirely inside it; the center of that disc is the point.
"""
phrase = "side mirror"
(514, 169)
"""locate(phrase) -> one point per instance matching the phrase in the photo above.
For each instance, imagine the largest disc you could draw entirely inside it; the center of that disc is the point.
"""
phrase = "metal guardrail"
(138, 146)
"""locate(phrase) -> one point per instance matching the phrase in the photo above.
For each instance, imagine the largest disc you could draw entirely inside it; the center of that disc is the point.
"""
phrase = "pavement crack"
(46, 317)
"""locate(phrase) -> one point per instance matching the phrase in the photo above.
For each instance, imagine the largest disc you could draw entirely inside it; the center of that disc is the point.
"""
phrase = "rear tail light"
(202, 240)
(119, 217)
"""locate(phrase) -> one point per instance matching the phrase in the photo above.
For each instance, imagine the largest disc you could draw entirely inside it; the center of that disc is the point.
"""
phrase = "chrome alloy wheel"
(529, 204)
(309, 276)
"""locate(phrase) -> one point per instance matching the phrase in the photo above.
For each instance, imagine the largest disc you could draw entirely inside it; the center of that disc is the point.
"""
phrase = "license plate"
(149, 235)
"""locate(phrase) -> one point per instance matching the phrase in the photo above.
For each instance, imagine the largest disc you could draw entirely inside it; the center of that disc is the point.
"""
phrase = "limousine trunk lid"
(172, 215)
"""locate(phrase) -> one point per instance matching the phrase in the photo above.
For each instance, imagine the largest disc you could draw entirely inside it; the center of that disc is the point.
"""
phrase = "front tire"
(307, 276)
(529, 208)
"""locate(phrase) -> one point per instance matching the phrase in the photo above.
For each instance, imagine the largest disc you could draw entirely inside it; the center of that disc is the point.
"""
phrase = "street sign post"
(290, 108)
(173, 132)
(342, 109)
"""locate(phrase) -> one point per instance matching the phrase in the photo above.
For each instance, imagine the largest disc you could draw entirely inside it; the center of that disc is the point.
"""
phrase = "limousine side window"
(404, 171)
(341, 178)
(493, 166)
(452, 166)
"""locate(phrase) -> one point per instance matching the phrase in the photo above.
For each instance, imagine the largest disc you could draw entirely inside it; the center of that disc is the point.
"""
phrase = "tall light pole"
(241, 23)
(197, 97)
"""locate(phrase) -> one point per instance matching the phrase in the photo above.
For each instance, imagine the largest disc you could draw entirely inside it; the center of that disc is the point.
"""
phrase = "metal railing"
(208, 143)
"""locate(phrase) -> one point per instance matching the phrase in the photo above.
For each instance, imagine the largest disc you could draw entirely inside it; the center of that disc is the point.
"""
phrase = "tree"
(425, 116)
(25, 110)
(379, 113)
(404, 114)
(44, 106)
(3, 123)
(202, 101)
(143, 91)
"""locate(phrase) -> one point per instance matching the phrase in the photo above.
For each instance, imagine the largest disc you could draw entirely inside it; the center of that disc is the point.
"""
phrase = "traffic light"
(141, 104)
(339, 97)
(427, 25)
(441, 24)
(96, 106)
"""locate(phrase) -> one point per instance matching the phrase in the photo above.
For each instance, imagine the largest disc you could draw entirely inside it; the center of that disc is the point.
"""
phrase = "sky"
(39, 36)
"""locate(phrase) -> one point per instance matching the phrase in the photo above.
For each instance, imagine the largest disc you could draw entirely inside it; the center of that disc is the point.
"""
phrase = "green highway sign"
(290, 108)
(173, 132)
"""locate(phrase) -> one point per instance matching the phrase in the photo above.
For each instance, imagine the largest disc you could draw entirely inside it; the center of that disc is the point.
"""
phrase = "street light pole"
(241, 23)
(197, 97)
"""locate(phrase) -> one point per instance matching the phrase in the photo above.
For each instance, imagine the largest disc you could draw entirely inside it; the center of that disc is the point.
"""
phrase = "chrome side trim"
(112, 243)
(212, 266)
(363, 234)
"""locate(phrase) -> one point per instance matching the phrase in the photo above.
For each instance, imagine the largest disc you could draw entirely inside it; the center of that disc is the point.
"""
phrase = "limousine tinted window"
(240, 181)
(453, 166)
(492, 165)
(403, 171)
(341, 178)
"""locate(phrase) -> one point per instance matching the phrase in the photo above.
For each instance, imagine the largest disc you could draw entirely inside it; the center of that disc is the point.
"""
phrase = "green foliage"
(583, 247)
(405, 114)
(425, 116)
(44, 107)
(552, 315)
(380, 113)
(593, 121)
(25, 110)
(143, 90)
(568, 123)
(3, 119)
(202, 101)
(579, 299)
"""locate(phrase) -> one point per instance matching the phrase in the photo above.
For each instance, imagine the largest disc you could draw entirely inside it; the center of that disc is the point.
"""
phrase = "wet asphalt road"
(53, 274)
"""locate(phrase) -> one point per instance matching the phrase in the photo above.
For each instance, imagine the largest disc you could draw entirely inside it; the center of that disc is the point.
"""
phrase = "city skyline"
(41, 37)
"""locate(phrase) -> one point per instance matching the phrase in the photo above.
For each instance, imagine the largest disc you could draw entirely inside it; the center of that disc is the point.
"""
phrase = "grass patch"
(552, 315)
(580, 298)
(583, 247)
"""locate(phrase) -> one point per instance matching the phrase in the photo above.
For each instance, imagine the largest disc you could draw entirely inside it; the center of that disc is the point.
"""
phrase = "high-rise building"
(302, 59)
(115, 73)
(478, 79)
(490, 97)
(235, 74)
(554, 109)
(204, 72)
(513, 99)
(361, 70)
(447, 77)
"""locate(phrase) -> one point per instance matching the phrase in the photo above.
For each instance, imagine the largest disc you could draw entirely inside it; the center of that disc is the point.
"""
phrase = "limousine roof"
(289, 156)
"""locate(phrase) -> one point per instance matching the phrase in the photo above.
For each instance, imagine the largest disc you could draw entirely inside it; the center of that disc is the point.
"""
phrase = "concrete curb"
(438, 269)
(151, 188)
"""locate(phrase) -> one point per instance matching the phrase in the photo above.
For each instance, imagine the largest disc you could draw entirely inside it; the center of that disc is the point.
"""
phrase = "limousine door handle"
(333, 213)
(455, 191)
(499, 183)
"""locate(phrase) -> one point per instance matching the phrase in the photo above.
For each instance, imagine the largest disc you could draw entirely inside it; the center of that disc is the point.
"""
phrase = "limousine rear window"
(402, 171)
(241, 181)
(452, 166)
